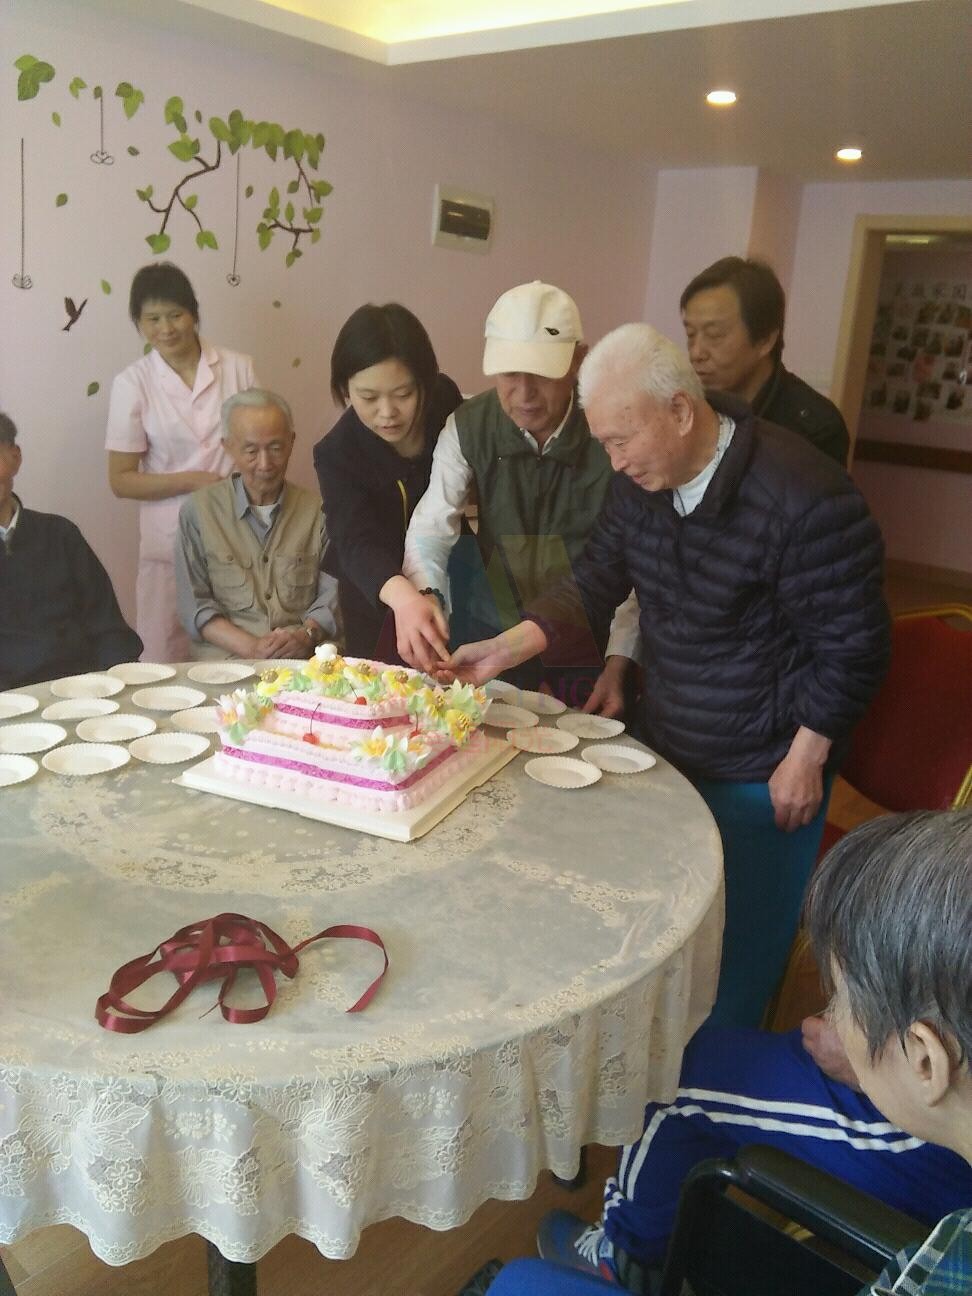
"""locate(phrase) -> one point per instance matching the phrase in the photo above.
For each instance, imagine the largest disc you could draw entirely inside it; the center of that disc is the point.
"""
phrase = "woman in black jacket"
(374, 464)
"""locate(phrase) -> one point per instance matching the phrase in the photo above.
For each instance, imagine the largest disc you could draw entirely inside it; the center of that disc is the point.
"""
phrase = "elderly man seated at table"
(248, 554)
(58, 611)
(889, 913)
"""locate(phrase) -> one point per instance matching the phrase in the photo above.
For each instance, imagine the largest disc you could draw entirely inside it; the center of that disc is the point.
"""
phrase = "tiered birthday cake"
(360, 733)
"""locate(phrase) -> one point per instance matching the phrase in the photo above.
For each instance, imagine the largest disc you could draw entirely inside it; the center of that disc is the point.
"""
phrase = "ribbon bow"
(216, 950)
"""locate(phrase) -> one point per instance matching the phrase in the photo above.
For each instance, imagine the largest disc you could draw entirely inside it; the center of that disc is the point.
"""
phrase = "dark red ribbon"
(216, 950)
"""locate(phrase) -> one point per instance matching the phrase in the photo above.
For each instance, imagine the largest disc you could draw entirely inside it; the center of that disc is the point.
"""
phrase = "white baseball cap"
(533, 329)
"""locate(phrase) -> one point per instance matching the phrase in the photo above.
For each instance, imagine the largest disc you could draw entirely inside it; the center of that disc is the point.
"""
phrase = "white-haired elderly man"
(524, 453)
(248, 554)
(758, 575)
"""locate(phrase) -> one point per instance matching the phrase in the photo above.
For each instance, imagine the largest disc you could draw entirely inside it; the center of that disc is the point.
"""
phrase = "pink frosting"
(332, 776)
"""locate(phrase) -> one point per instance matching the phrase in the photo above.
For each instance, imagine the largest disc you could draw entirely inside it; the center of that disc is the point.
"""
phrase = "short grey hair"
(254, 398)
(637, 357)
(890, 909)
(8, 430)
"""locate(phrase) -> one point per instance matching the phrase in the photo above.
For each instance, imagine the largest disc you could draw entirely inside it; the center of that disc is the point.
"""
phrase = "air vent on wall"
(462, 219)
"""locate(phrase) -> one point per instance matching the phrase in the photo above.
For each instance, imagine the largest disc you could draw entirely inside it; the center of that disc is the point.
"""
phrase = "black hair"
(376, 333)
(8, 430)
(161, 281)
(762, 301)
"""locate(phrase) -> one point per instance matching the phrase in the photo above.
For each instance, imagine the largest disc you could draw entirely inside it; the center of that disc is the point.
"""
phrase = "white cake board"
(399, 825)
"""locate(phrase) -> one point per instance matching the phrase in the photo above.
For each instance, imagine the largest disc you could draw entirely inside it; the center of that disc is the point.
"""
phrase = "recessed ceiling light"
(721, 98)
(848, 155)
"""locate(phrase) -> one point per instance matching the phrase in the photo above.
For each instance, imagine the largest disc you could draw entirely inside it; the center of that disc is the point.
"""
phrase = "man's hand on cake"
(475, 663)
(422, 632)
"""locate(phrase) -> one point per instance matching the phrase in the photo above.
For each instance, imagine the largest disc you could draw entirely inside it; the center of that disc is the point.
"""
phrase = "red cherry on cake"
(360, 701)
(309, 738)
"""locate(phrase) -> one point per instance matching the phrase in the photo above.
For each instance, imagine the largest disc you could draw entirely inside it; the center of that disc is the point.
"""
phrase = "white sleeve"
(435, 524)
(624, 639)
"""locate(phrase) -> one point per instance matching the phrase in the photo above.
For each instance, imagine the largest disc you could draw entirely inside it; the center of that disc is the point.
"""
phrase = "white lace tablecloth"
(551, 952)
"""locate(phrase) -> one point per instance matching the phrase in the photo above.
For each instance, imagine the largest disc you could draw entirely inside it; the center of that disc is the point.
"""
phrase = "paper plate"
(115, 728)
(31, 737)
(280, 663)
(16, 769)
(543, 739)
(591, 726)
(141, 672)
(615, 759)
(168, 748)
(15, 704)
(79, 709)
(220, 672)
(499, 689)
(81, 759)
(87, 686)
(201, 720)
(562, 772)
(170, 698)
(503, 716)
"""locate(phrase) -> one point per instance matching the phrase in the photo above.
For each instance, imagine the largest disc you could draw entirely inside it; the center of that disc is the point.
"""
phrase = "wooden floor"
(395, 1258)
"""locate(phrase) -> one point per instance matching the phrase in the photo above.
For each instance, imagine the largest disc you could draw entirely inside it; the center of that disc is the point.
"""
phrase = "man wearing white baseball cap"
(524, 452)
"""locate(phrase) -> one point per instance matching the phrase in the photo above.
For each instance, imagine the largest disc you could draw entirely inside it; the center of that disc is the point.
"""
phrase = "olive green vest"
(260, 588)
(535, 511)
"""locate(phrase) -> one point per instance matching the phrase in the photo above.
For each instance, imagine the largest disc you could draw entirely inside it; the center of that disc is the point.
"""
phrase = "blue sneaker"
(572, 1242)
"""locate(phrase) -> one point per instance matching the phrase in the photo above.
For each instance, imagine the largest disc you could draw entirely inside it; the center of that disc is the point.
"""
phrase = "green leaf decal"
(277, 304)
(105, 287)
(25, 63)
(32, 74)
(56, 118)
(94, 388)
(315, 236)
(293, 186)
(124, 90)
(60, 200)
(313, 214)
(190, 202)
(264, 235)
(198, 116)
(132, 103)
(321, 188)
(289, 212)
(77, 85)
(132, 150)
(159, 243)
(97, 92)
(248, 191)
(206, 239)
(295, 363)
(173, 108)
(220, 129)
(184, 148)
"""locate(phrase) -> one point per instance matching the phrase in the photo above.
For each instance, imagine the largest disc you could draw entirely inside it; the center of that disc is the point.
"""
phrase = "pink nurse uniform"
(153, 413)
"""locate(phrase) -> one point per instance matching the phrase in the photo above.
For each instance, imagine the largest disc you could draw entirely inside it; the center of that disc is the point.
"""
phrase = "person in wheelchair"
(889, 914)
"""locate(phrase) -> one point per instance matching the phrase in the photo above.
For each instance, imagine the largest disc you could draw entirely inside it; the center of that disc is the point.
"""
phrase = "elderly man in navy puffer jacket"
(758, 573)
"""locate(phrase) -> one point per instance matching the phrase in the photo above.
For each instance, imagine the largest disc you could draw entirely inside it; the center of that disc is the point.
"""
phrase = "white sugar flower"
(325, 652)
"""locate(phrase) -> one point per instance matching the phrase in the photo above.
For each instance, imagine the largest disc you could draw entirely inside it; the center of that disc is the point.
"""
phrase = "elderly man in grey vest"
(524, 453)
(248, 553)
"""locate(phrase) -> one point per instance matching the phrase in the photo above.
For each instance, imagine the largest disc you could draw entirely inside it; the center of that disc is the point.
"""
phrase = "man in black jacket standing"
(733, 314)
(758, 573)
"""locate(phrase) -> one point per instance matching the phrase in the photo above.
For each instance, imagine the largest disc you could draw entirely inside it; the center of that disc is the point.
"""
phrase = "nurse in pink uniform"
(164, 438)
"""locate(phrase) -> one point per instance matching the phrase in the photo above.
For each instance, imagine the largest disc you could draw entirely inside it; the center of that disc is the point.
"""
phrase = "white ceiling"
(893, 78)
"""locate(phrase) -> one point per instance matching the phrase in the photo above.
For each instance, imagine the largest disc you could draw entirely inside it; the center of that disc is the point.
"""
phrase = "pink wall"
(700, 215)
(383, 155)
(776, 215)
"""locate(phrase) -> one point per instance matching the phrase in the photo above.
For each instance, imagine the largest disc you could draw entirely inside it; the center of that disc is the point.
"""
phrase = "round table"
(551, 953)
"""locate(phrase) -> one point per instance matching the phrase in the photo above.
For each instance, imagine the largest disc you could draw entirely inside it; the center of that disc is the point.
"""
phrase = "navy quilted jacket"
(761, 611)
